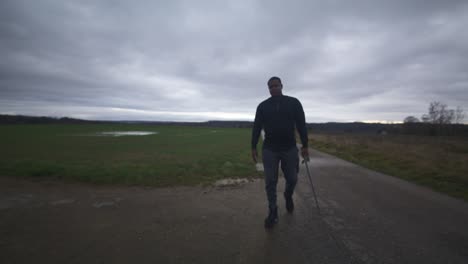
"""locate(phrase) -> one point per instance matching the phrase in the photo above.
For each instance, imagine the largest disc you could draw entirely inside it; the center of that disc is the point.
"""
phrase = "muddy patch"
(259, 167)
(230, 182)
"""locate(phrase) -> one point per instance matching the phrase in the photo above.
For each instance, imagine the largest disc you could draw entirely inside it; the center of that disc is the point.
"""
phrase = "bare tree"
(434, 112)
(459, 115)
(447, 116)
(439, 114)
(411, 119)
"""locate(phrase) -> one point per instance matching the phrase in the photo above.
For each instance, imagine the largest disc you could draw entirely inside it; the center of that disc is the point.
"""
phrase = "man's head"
(275, 86)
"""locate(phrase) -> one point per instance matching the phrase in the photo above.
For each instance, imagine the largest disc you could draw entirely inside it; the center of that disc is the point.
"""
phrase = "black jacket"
(278, 115)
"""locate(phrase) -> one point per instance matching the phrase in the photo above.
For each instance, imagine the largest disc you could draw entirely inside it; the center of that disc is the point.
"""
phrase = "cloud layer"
(205, 60)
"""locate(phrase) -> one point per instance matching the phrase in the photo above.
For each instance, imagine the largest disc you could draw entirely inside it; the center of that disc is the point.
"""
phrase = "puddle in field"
(126, 133)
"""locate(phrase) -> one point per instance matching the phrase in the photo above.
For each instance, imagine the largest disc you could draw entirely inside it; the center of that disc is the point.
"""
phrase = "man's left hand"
(305, 153)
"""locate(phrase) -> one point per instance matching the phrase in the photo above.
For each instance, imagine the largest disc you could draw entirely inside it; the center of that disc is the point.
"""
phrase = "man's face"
(275, 87)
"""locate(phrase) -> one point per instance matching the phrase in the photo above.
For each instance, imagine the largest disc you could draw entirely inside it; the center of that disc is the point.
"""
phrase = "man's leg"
(270, 164)
(289, 162)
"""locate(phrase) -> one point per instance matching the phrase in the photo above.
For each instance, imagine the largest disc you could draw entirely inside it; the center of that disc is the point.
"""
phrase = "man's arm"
(257, 128)
(302, 129)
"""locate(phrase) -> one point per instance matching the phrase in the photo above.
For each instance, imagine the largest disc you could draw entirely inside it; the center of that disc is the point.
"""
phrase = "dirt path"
(366, 217)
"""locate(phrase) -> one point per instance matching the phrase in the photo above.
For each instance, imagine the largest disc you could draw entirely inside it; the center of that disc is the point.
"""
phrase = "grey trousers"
(289, 165)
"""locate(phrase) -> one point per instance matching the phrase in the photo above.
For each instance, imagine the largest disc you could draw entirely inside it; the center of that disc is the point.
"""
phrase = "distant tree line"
(412, 125)
(354, 128)
(440, 120)
(23, 119)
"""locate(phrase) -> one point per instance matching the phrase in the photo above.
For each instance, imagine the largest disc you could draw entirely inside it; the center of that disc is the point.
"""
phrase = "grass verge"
(440, 163)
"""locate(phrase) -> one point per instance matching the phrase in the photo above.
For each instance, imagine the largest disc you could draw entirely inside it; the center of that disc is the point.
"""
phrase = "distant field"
(440, 163)
(174, 156)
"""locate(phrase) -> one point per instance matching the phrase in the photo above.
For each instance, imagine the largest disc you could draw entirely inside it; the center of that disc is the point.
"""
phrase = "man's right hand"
(254, 155)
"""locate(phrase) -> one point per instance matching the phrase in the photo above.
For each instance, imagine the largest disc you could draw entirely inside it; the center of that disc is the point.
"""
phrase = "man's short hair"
(274, 78)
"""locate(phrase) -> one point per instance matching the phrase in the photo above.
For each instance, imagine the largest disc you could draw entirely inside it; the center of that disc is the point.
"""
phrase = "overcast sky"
(210, 60)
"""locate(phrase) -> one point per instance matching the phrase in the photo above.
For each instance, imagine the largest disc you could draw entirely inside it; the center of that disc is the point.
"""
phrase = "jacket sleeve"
(257, 127)
(301, 124)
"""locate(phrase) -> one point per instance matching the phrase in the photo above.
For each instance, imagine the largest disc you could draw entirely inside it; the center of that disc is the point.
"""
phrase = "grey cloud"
(359, 60)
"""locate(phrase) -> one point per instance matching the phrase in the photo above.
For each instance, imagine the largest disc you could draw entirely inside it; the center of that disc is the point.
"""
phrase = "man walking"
(278, 116)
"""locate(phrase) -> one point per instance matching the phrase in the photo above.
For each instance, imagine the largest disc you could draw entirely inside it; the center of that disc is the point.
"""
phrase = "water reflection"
(126, 133)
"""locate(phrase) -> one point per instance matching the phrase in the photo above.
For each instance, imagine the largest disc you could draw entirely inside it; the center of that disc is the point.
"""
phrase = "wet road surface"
(364, 217)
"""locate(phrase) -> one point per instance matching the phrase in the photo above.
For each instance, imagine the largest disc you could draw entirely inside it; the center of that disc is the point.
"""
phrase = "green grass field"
(202, 155)
(174, 156)
(440, 163)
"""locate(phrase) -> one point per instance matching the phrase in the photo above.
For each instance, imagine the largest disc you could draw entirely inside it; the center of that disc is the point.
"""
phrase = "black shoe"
(271, 219)
(289, 203)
